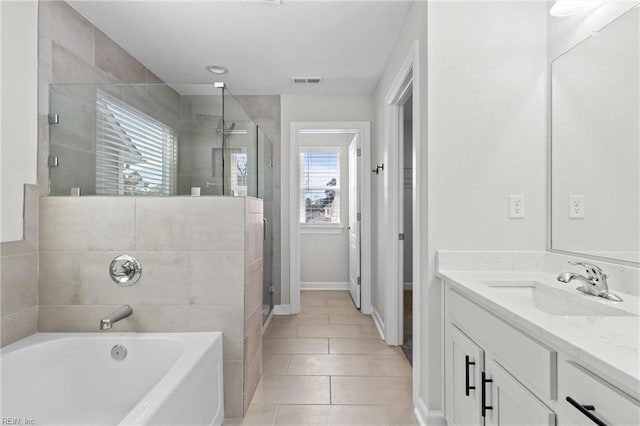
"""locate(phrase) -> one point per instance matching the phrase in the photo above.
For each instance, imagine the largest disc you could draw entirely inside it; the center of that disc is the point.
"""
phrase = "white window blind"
(135, 154)
(320, 185)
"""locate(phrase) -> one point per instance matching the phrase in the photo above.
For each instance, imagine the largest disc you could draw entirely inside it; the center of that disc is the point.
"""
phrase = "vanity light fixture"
(217, 69)
(562, 8)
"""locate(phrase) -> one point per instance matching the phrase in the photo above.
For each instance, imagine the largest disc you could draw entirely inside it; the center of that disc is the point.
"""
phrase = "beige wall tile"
(253, 368)
(87, 223)
(31, 214)
(70, 29)
(19, 325)
(253, 289)
(370, 390)
(78, 318)
(216, 278)
(233, 384)
(190, 223)
(253, 334)
(19, 277)
(333, 415)
(67, 67)
(164, 279)
(59, 278)
(293, 390)
(114, 60)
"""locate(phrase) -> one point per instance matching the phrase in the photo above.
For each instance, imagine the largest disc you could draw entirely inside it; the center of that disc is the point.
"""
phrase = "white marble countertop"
(608, 345)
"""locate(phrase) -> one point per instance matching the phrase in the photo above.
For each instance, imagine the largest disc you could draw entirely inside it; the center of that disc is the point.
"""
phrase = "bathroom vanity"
(522, 348)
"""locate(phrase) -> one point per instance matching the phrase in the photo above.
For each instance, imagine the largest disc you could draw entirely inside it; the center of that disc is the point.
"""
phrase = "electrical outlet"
(516, 206)
(576, 206)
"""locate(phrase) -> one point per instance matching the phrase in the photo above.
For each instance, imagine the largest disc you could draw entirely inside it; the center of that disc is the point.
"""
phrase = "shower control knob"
(125, 270)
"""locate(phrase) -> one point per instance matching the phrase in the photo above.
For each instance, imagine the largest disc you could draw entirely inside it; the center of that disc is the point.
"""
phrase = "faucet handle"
(594, 271)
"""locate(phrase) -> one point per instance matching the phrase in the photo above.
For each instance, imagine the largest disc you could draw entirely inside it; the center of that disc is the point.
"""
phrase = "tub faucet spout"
(115, 316)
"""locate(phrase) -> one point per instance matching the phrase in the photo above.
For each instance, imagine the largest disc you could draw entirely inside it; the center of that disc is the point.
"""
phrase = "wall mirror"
(595, 144)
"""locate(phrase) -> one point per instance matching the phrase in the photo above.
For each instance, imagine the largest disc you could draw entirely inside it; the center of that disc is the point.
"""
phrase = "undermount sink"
(552, 301)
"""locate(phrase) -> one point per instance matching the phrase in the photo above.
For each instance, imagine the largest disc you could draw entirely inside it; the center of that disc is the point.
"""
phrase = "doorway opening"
(330, 215)
(406, 207)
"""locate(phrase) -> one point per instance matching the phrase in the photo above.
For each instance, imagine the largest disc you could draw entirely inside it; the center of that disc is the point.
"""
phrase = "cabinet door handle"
(485, 407)
(467, 363)
(587, 411)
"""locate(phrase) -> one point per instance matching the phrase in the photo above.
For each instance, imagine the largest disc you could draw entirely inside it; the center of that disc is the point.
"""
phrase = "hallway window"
(135, 154)
(320, 185)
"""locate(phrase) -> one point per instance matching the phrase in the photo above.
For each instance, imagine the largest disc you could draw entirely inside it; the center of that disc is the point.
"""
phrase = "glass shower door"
(265, 192)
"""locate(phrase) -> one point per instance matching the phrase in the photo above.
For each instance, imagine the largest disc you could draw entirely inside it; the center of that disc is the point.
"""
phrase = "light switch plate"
(516, 206)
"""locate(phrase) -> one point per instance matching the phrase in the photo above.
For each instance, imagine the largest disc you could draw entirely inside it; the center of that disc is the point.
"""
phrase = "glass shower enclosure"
(160, 140)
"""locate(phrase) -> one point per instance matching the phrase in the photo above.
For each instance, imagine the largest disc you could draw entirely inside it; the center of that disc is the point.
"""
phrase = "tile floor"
(328, 366)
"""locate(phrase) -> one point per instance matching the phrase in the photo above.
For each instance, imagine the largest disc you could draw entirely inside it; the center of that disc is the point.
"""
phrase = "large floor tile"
(293, 390)
(329, 365)
(295, 346)
(275, 365)
(389, 365)
(400, 415)
(301, 319)
(337, 331)
(339, 310)
(281, 330)
(329, 415)
(257, 415)
(371, 346)
(352, 319)
(370, 390)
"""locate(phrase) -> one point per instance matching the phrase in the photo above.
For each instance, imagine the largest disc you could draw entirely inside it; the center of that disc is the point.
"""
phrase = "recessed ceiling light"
(217, 69)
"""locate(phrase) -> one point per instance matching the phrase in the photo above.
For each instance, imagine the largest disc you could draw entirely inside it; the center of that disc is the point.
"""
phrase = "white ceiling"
(347, 43)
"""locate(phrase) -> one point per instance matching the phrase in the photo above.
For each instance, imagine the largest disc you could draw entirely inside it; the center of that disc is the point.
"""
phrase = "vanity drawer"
(530, 361)
(612, 406)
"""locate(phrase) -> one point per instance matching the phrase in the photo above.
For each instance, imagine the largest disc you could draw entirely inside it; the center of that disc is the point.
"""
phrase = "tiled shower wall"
(19, 276)
(202, 271)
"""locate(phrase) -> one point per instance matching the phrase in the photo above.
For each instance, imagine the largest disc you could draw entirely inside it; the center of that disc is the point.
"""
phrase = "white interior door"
(354, 220)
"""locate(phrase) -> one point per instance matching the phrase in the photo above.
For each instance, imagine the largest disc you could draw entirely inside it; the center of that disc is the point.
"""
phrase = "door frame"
(406, 82)
(363, 129)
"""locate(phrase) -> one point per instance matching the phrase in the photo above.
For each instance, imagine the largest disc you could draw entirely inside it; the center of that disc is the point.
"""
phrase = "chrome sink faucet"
(595, 283)
(115, 316)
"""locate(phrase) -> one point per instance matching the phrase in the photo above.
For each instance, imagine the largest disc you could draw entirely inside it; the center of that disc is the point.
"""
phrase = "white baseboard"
(428, 417)
(281, 310)
(310, 285)
(377, 320)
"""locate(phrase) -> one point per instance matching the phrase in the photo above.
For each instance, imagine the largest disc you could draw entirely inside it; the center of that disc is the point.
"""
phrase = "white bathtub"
(71, 378)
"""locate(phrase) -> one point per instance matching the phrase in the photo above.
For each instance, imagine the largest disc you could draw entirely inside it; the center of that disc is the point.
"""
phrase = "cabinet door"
(509, 403)
(463, 379)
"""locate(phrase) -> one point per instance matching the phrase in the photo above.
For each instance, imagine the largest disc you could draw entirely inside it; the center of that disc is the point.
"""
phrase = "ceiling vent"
(306, 80)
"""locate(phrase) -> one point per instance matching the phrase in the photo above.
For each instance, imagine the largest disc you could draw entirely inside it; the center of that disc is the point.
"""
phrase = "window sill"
(333, 228)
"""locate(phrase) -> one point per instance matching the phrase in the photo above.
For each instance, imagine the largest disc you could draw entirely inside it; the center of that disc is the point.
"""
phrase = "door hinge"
(359, 280)
(359, 152)
(53, 161)
(358, 216)
(54, 119)
(272, 289)
(401, 236)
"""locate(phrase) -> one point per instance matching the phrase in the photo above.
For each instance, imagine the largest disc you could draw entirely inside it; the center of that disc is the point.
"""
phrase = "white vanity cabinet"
(497, 374)
(479, 391)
